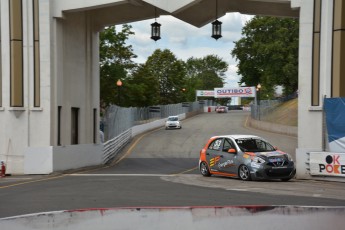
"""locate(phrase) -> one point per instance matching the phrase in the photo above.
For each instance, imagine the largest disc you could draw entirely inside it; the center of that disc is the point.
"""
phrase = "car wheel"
(286, 179)
(244, 173)
(204, 169)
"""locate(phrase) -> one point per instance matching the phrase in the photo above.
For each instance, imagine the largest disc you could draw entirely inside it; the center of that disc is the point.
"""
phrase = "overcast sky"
(185, 40)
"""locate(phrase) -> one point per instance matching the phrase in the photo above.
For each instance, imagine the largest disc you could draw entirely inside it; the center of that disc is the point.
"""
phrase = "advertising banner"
(327, 164)
(204, 93)
(335, 121)
(234, 92)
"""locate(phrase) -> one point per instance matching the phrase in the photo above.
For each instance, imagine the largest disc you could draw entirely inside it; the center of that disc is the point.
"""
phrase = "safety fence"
(118, 119)
(263, 107)
(118, 122)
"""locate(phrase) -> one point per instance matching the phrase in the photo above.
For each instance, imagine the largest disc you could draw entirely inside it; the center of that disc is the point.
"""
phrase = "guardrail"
(113, 146)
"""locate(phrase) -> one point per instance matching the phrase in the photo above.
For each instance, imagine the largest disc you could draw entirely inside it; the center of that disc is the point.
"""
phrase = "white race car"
(173, 122)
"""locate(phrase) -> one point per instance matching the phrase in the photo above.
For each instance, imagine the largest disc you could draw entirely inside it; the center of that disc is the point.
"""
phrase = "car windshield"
(254, 145)
(173, 119)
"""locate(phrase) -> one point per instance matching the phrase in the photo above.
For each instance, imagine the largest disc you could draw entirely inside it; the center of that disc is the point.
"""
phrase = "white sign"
(204, 93)
(234, 92)
(327, 164)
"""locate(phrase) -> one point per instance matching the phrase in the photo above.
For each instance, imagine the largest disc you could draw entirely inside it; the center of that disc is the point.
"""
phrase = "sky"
(185, 40)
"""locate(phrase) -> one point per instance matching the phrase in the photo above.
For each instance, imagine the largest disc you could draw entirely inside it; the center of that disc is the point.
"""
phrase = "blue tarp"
(335, 120)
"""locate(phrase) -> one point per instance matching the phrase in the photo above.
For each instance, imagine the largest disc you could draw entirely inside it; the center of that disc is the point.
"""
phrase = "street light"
(119, 84)
(258, 87)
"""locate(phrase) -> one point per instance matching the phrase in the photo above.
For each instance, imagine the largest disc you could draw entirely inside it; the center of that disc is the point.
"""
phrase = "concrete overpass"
(49, 94)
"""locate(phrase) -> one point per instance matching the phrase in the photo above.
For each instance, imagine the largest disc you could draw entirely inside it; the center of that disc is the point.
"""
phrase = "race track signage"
(327, 164)
(234, 92)
(204, 93)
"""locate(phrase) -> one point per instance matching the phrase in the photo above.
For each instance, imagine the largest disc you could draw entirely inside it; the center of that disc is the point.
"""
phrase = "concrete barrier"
(273, 127)
(198, 218)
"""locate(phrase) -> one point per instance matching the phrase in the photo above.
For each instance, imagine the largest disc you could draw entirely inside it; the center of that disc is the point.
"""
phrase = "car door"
(213, 154)
(228, 162)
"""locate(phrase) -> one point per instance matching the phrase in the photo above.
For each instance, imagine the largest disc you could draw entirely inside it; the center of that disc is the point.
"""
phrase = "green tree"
(204, 73)
(115, 63)
(143, 88)
(170, 74)
(268, 54)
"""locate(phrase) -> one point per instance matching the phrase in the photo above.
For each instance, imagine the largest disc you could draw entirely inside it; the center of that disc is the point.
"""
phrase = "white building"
(49, 78)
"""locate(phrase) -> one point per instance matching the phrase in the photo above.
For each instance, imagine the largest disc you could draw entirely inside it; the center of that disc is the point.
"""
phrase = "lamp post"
(119, 84)
(258, 87)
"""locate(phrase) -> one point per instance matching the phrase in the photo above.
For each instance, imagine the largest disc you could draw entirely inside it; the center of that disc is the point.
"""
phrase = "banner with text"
(204, 93)
(234, 92)
(327, 164)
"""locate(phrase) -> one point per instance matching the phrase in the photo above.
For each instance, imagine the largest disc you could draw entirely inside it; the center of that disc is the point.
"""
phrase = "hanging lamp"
(216, 26)
(155, 29)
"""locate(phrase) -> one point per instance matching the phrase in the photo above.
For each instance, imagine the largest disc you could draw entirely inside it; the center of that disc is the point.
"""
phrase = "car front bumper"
(269, 172)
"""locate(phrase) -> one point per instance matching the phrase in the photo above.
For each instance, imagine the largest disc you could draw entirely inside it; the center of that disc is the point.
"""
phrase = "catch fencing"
(118, 119)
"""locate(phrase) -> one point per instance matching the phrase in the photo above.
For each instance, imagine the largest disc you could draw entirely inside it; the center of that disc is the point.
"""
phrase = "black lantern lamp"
(216, 29)
(155, 29)
(216, 26)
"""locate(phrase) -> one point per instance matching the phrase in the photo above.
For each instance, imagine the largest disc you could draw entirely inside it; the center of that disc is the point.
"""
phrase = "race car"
(221, 109)
(247, 157)
(173, 122)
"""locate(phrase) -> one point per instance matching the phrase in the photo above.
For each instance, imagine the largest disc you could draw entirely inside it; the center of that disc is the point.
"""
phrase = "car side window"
(215, 145)
(228, 144)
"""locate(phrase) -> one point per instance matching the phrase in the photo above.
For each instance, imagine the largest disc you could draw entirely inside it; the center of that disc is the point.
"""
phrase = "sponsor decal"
(332, 165)
(327, 164)
(226, 164)
(214, 161)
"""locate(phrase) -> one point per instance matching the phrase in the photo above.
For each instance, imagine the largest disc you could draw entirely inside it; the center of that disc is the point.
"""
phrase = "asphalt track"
(159, 168)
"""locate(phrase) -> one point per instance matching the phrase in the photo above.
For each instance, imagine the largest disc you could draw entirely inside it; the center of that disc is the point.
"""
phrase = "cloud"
(185, 40)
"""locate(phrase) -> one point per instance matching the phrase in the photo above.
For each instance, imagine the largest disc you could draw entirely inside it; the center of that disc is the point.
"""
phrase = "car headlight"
(258, 160)
(289, 157)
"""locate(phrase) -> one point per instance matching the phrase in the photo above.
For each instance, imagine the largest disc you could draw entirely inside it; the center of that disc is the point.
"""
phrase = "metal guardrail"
(113, 146)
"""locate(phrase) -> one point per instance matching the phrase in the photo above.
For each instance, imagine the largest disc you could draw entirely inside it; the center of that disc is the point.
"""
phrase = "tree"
(143, 88)
(170, 74)
(204, 73)
(268, 54)
(115, 62)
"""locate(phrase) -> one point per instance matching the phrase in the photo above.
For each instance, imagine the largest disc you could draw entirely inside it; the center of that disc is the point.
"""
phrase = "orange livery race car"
(246, 157)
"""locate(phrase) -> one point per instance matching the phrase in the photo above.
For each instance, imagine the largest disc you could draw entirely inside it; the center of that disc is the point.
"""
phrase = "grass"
(285, 113)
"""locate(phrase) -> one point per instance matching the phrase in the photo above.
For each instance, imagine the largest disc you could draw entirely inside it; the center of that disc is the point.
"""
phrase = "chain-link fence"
(263, 111)
(118, 119)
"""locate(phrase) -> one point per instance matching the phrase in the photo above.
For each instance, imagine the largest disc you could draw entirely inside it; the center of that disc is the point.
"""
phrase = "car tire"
(204, 169)
(285, 179)
(244, 173)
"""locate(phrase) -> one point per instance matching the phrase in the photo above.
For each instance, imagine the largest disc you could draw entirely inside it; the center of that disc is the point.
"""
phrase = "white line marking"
(237, 189)
(149, 175)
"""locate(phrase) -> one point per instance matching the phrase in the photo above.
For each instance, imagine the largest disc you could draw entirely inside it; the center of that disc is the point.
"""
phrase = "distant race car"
(246, 157)
(173, 122)
(221, 109)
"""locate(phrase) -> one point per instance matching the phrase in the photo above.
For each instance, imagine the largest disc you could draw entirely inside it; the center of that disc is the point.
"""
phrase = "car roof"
(173, 116)
(238, 136)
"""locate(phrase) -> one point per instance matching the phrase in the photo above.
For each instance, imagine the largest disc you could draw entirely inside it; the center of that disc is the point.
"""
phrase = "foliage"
(115, 62)
(204, 73)
(163, 79)
(268, 54)
(169, 73)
